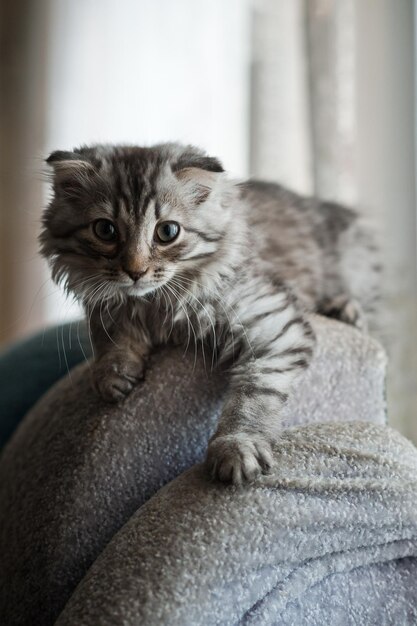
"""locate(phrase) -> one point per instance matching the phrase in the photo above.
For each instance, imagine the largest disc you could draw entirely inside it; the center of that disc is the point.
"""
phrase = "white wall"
(280, 103)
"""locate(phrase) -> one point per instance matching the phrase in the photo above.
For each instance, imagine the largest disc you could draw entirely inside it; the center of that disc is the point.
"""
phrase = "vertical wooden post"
(23, 34)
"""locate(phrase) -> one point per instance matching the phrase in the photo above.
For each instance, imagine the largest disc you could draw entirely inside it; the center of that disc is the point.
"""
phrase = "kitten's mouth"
(144, 286)
(138, 290)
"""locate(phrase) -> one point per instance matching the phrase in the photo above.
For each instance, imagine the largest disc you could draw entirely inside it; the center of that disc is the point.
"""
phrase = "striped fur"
(251, 259)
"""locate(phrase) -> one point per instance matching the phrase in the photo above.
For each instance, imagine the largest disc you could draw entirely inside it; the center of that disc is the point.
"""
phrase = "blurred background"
(316, 94)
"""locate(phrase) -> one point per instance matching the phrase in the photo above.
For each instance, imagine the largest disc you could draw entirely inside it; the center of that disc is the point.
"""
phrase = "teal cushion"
(30, 367)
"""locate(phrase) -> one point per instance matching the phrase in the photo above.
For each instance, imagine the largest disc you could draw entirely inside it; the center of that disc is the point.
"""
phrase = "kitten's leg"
(120, 356)
(277, 347)
(344, 309)
(117, 372)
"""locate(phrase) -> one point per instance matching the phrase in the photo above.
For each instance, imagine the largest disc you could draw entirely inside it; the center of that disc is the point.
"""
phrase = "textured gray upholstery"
(341, 496)
(77, 470)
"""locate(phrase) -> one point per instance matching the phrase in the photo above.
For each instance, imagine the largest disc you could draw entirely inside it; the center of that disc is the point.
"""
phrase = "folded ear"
(194, 159)
(199, 181)
(68, 168)
(61, 155)
(198, 171)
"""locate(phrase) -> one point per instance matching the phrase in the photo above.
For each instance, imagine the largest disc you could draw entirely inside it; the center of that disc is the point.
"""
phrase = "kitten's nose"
(135, 274)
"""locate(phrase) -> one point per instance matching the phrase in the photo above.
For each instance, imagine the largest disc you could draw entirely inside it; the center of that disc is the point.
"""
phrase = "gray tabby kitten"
(159, 243)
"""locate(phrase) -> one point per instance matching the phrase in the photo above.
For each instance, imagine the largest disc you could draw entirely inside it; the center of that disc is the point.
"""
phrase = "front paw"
(239, 457)
(115, 375)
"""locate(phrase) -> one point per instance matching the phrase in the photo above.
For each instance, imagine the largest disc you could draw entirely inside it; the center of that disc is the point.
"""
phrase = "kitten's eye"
(105, 230)
(166, 232)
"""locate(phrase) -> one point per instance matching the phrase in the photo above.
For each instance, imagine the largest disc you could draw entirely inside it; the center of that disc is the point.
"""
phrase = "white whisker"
(104, 292)
(174, 293)
(187, 291)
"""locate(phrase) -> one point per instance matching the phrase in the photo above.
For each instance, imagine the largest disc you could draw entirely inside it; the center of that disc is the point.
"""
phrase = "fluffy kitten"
(158, 242)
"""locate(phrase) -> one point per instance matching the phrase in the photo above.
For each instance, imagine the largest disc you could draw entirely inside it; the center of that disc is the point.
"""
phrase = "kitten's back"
(322, 249)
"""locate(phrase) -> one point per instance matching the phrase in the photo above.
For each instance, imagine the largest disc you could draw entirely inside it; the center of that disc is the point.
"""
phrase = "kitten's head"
(126, 220)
